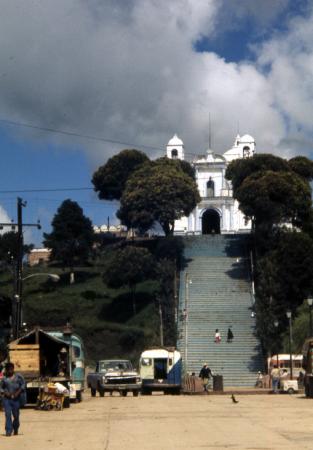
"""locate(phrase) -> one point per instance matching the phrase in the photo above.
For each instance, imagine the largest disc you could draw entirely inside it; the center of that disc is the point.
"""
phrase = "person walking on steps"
(12, 388)
(217, 337)
(230, 336)
(205, 374)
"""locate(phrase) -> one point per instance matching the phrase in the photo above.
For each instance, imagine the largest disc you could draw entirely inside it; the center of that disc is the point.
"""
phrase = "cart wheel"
(124, 393)
(291, 391)
(135, 393)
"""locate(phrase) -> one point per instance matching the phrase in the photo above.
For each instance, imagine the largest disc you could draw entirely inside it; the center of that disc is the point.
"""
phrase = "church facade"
(217, 212)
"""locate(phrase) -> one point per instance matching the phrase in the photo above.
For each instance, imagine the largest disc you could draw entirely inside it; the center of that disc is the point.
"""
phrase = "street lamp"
(289, 315)
(18, 299)
(53, 276)
(310, 303)
(276, 323)
(188, 282)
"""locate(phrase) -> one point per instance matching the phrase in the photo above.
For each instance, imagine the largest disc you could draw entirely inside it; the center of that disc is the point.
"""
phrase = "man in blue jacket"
(12, 388)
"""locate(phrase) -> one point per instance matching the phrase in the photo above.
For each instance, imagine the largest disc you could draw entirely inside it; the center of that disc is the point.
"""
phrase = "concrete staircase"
(215, 292)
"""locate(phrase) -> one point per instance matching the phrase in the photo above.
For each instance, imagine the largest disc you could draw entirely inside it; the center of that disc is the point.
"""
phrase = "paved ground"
(168, 423)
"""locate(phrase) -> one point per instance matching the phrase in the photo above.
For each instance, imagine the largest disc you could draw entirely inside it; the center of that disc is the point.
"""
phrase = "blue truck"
(44, 357)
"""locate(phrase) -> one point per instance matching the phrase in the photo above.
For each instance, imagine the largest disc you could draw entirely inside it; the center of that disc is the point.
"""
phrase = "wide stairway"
(215, 293)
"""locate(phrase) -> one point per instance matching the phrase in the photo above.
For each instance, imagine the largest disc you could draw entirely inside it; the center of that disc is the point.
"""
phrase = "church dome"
(175, 141)
(246, 138)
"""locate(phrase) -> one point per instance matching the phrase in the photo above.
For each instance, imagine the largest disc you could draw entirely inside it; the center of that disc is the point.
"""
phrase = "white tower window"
(175, 148)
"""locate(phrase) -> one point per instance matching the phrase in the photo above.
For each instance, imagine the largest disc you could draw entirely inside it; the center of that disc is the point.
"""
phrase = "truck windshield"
(114, 365)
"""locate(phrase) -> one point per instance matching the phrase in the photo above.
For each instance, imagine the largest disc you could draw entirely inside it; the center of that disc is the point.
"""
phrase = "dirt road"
(168, 422)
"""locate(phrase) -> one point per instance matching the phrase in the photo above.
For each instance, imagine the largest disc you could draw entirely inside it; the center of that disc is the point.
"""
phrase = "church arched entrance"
(211, 222)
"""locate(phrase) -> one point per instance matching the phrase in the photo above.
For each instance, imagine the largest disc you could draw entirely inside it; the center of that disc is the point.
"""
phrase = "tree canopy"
(110, 179)
(284, 278)
(159, 191)
(275, 197)
(271, 190)
(274, 193)
(9, 247)
(302, 166)
(72, 235)
(240, 169)
(129, 266)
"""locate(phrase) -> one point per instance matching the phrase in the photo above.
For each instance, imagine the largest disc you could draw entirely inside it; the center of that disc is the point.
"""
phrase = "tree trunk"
(166, 228)
(133, 291)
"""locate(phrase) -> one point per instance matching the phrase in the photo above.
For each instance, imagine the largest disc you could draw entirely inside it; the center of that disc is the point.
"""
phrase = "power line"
(16, 191)
(80, 135)
(87, 136)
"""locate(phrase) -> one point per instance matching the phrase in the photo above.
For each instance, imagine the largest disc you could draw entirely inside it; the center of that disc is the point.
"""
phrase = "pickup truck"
(114, 375)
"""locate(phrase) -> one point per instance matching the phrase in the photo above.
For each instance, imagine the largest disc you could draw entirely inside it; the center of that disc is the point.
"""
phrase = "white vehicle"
(282, 361)
(160, 370)
(289, 386)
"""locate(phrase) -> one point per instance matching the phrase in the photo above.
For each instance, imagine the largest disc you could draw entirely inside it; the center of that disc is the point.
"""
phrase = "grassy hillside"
(101, 316)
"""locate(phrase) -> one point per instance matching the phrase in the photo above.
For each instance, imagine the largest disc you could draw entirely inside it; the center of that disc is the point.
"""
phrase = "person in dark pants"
(205, 374)
(12, 388)
(230, 336)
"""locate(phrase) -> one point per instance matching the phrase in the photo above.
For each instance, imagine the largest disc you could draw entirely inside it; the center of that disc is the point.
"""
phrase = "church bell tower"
(175, 148)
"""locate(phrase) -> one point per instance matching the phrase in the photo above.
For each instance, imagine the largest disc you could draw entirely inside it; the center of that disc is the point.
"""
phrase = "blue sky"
(139, 74)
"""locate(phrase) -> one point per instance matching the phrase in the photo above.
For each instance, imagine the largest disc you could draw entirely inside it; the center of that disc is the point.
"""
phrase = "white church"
(217, 212)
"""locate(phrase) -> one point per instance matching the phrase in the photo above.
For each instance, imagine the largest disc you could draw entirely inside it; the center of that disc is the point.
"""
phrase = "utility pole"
(161, 324)
(18, 273)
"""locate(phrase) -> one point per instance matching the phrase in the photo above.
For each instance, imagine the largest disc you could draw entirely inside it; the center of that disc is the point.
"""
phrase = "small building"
(39, 256)
(113, 230)
(218, 211)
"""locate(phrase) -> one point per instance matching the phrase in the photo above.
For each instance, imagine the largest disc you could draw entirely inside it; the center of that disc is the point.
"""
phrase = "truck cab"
(114, 375)
(76, 362)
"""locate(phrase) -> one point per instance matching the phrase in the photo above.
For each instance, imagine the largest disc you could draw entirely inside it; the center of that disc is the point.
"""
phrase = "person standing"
(230, 336)
(217, 337)
(205, 374)
(275, 375)
(12, 388)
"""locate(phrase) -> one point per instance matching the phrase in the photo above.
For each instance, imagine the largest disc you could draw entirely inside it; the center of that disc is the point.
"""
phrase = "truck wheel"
(124, 393)
(146, 392)
(291, 391)
(93, 392)
(135, 393)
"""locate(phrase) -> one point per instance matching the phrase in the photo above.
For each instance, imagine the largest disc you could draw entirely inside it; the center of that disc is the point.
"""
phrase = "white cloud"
(131, 74)
(288, 60)
(4, 218)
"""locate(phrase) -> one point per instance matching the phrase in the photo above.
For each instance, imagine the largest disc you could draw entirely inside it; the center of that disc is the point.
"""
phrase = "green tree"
(110, 179)
(275, 197)
(9, 247)
(302, 166)
(159, 191)
(240, 169)
(284, 280)
(129, 266)
(72, 235)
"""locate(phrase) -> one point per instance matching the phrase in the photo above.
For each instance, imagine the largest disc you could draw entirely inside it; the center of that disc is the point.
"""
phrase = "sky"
(83, 79)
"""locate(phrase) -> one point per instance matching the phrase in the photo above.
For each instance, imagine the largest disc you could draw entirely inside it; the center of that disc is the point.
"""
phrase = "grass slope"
(103, 317)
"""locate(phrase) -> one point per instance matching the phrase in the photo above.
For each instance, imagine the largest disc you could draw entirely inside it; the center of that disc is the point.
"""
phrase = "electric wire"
(87, 136)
